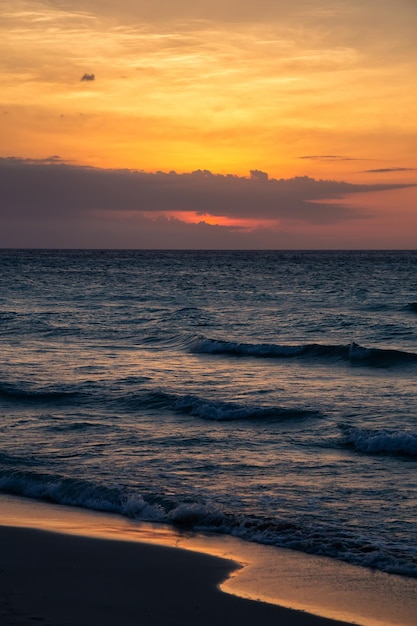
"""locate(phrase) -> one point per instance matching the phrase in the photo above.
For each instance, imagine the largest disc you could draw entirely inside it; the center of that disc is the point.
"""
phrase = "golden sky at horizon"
(324, 88)
(205, 88)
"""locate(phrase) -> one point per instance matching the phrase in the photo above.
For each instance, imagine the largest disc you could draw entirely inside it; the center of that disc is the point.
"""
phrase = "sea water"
(265, 395)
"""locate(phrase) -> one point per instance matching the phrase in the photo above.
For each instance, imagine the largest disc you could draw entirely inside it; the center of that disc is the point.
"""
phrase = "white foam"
(382, 441)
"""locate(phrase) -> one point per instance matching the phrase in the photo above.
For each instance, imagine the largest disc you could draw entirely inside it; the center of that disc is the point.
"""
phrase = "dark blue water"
(267, 395)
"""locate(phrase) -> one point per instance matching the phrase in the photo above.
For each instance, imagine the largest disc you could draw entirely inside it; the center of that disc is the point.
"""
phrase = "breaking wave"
(384, 441)
(352, 352)
(218, 410)
(227, 411)
(331, 540)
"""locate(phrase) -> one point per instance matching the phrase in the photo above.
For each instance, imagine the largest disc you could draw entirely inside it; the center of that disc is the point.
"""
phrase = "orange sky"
(325, 89)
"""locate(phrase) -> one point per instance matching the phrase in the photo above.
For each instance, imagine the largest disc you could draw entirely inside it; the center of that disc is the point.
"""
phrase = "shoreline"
(68, 580)
(101, 569)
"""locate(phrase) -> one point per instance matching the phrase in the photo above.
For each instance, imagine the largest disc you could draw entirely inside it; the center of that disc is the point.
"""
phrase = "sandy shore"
(64, 566)
(55, 580)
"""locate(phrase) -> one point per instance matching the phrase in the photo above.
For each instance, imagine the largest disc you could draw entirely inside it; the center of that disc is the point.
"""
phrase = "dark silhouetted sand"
(56, 579)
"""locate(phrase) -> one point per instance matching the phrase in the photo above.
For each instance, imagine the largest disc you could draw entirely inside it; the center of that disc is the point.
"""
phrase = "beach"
(56, 580)
(62, 566)
(256, 407)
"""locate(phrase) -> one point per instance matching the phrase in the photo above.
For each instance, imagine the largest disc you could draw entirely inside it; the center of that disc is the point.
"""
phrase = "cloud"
(54, 158)
(52, 187)
(258, 175)
(386, 170)
(328, 157)
(50, 203)
(88, 77)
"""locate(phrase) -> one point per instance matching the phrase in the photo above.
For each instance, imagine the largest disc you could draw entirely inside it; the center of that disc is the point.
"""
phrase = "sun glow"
(228, 87)
(185, 94)
(214, 220)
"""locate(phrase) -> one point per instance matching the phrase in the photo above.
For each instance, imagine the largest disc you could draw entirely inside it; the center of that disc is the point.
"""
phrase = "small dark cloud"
(54, 158)
(386, 170)
(87, 77)
(258, 175)
(328, 157)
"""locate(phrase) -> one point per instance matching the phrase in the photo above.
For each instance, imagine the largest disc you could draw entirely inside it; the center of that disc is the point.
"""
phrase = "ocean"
(261, 394)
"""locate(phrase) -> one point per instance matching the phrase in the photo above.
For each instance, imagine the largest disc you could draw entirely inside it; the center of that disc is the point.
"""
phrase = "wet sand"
(62, 580)
(68, 566)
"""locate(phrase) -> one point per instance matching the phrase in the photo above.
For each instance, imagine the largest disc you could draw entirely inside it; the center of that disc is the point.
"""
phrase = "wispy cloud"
(54, 158)
(213, 84)
(387, 170)
(329, 157)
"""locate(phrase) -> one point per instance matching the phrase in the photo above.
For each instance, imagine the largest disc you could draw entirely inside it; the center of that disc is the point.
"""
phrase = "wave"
(146, 399)
(12, 460)
(412, 306)
(217, 410)
(352, 352)
(380, 356)
(384, 441)
(29, 394)
(227, 411)
(79, 426)
(332, 541)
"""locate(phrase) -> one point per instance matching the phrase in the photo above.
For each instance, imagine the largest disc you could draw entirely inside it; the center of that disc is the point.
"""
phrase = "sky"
(208, 124)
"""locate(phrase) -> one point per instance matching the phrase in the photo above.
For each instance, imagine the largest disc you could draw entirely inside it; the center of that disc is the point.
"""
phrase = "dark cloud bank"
(50, 203)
